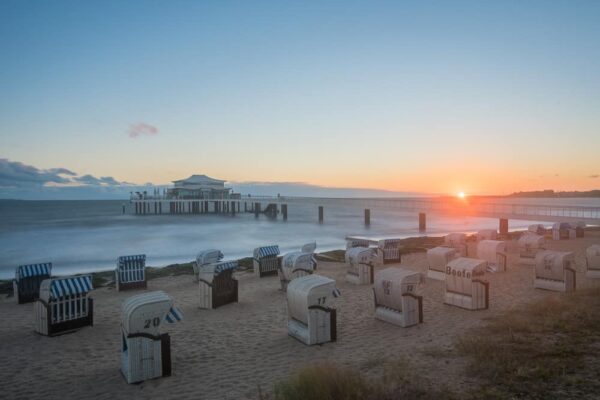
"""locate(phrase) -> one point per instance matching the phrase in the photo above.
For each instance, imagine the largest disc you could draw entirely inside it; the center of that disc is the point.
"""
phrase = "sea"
(86, 236)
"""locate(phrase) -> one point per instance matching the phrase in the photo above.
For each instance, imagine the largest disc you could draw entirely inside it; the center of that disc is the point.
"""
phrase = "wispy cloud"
(142, 129)
(594, 176)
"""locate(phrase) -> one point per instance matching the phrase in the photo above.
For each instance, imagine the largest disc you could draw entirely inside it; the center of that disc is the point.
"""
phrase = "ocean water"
(83, 236)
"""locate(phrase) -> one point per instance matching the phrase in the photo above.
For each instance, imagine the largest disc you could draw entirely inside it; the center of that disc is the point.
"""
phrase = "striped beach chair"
(145, 352)
(64, 305)
(310, 320)
(206, 257)
(217, 285)
(28, 279)
(396, 300)
(131, 272)
(265, 260)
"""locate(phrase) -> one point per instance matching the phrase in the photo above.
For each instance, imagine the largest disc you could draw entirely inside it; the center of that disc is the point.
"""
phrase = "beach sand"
(231, 352)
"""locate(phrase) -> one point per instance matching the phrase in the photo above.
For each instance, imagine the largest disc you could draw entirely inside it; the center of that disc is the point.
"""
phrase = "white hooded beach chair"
(266, 261)
(294, 265)
(310, 320)
(555, 270)
(64, 305)
(206, 257)
(145, 352)
(494, 252)
(487, 234)
(592, 260)
(563, 230)
(131, 272)
(396, 300)
(356, 242)
(464, 286)
(28, 279)
(538, 229)
(438, 258)
(457, 241)
(390, 250)
(528, 246)
(217, 285)
(361, 264)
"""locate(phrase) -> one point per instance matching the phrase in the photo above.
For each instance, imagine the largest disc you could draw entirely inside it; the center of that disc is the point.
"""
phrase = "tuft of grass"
(540, 350)
(329, 381)
(170, 270)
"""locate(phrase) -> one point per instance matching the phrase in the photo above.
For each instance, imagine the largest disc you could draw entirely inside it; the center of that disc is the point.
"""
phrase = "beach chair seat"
(395, 297)
(555, 270)
(529, 244)
(145, 352)
(217, 285)
(464, 286)
(295, 265)
(438, 258)
(28, 279)
(563, 231)
(361, 265)
(457, 241)
(592, 261)
(310, 320)
(494, 252)
(266, 261)
(131, 272)
(64, 305)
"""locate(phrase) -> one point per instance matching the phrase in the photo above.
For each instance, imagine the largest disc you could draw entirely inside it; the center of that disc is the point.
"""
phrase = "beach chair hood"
(551, 264)
(31, 270)
(391, 283)
(60, 288)
(146, 312)
(307, 291)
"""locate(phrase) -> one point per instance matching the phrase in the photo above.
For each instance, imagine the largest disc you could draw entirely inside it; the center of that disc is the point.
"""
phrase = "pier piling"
(320, 214)
(367, 217)
(503, 226)
(422, 222)
(284, 211)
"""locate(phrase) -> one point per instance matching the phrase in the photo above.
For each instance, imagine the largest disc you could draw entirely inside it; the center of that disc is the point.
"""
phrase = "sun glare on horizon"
(461, 195)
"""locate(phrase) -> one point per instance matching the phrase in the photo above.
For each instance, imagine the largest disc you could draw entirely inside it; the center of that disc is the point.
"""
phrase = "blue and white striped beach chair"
(145, 352)
(266, 261)
(217, 285)
(64, 305)
(28, 279)
(131, 272)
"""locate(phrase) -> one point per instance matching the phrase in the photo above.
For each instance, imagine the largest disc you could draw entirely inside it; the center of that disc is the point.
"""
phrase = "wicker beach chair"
(361, 263)
(555, 270)
(395, 297)
(266, 260)
(494, 252)
(64, 305)
(464, 286)
(28, 279)
(438, 258)
(217, 286)
(131, 272)
(310, 320)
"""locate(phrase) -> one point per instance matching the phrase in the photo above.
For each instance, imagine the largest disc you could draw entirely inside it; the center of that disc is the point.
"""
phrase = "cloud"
(594, 176)
(142, 128)
(14, 174)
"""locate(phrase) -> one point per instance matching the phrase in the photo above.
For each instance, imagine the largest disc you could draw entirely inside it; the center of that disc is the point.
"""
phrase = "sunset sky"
(437, 96)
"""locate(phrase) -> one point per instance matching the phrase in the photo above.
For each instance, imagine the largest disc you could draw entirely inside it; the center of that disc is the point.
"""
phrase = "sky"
(483, 97)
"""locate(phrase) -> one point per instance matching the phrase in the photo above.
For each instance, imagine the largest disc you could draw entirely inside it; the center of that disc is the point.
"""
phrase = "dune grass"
(545, 350)
(329, 381)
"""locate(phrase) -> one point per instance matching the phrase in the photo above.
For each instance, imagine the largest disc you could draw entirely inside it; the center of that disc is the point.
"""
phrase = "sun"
(461, 195)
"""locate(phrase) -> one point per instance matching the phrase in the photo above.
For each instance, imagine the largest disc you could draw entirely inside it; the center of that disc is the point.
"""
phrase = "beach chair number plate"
(155, 322)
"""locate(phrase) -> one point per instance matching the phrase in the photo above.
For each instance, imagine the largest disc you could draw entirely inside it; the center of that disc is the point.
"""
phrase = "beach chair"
(310, 320)
(555, 270)
(356, 242)
(592, 261)
(464, 286)
(457, 241)
(145, 352)
(528, 246)
(438, 258)
(206, 257)
(266, 261)
(537, 229)
(217, 285)
(390, 251)
(579, 229)
(28, 279)
(395, 296)
(131, 272)
(294, 265)
(361, 264)
(487, 234)
(562, 231)
(64, 305)
(494, 252)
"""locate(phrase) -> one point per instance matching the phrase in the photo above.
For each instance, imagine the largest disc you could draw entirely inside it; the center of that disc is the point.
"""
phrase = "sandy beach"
(238, 349)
